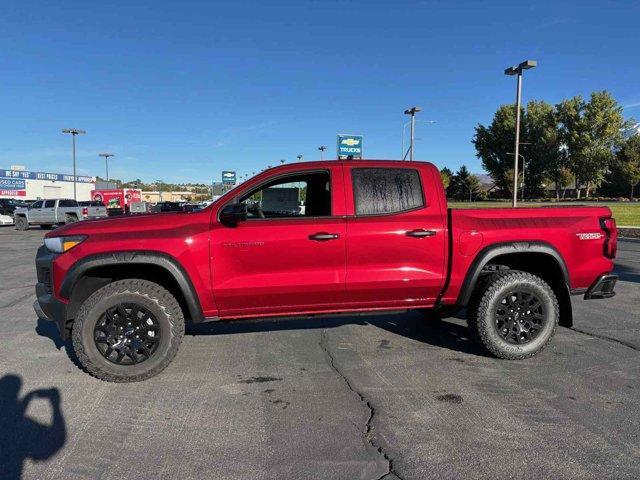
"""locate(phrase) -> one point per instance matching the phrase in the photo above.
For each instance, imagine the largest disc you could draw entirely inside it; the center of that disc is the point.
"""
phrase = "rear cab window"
(386, 190)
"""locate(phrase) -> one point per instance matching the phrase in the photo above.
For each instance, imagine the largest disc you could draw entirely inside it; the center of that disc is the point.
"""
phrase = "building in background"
(155, 196)
(21, 184)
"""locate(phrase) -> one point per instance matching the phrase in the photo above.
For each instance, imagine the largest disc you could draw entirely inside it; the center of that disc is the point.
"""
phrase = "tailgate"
(97, 212)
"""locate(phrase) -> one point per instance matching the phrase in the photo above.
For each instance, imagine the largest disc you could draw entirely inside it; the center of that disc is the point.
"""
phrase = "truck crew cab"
(48, 213)
(373, 235)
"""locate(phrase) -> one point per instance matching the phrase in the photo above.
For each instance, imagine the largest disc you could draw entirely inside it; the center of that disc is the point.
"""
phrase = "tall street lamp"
(299, 157)
(74, 132)
(517, 70)
(524, 166)
(404, 128)
(106, 161)
(322, 148)
(412, 111)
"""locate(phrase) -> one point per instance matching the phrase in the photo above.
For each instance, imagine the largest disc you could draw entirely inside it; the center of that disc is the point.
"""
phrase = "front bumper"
(47, 306)
(602, 287)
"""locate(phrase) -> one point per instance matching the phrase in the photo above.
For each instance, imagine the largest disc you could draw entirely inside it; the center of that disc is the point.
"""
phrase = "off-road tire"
(482, 321)
(152, 297)
(21, 223)
(70, 219)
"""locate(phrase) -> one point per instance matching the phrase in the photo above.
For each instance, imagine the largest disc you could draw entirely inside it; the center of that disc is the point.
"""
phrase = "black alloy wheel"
(520, 316)
(127, 334)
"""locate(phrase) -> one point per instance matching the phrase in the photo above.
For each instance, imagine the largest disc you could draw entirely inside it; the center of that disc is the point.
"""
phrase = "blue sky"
(182, 90)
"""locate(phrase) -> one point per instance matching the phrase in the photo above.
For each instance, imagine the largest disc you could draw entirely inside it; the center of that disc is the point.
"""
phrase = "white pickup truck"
(48, 213)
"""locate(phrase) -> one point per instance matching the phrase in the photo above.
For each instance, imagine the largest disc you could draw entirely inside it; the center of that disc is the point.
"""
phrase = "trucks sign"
(349, 146)
(228, 177)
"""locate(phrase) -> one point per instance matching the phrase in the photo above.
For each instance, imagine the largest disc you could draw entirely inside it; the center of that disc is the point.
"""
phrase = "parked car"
(48, 213)
(8, 205)
(168, 207)
(374, 235)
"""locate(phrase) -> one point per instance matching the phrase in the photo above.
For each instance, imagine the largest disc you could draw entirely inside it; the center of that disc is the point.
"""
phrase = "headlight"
(63, 244)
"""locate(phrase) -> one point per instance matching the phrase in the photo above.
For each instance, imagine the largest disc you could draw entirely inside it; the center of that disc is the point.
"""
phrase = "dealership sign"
(12, 184)
(228, 178)
(349, 146)
(11, 187)
(13, 193)
(52, 177)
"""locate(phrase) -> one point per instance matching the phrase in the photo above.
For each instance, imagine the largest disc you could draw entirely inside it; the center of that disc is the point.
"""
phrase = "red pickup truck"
(315, 238)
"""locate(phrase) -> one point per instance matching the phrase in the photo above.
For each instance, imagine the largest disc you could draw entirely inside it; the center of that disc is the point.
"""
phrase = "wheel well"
(99, 276)
(544, 266)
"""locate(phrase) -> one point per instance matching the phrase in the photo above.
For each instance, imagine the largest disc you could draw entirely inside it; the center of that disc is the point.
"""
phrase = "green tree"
(540, 138)
(445, 175)
(494, 143)
(544, 156)
(628, 161)
(590, 131)
(463, 185)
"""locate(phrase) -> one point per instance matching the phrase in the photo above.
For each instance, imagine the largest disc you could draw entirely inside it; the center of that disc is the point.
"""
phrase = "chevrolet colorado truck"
(374, 235)
(48, 213)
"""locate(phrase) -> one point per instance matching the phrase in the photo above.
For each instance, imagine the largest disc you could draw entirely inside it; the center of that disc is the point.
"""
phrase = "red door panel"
(267, 266)
(281, 265)
(397, 259)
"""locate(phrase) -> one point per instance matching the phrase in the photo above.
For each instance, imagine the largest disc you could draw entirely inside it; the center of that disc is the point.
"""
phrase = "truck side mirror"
(233, 213)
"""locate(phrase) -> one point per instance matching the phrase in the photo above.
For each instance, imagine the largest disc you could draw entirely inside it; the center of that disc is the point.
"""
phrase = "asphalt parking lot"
(346, 397)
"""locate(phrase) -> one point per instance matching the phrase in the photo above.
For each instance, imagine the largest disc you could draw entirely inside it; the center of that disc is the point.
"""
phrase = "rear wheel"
(128, 331)
(513, 314)
(71, 219)
(21, 223)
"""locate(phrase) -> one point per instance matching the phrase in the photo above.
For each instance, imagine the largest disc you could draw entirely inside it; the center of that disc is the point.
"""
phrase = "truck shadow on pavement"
(48, 329)
(415, 326)
(627, 274)
(23, 437)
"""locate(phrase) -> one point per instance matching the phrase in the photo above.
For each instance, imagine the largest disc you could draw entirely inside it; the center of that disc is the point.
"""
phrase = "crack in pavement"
(368, 434)
(18, 300)
(606, 339)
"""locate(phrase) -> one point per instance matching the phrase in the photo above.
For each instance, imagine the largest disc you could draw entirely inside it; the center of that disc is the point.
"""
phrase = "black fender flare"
(491, 251)
(132, 257)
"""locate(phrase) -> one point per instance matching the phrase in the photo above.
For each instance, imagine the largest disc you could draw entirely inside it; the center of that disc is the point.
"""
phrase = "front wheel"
(128, 331)
(513, 315)
(21, 223)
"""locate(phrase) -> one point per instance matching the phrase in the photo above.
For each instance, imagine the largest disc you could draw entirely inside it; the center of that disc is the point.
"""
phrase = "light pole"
(517, 70)
(74, 132)
(299, 157)
(106, 161)
(412, 111)
(404, 128)
(322, 148)
(524, 166)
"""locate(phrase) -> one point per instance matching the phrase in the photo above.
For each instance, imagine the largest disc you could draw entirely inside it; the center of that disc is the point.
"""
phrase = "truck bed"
(574, 232)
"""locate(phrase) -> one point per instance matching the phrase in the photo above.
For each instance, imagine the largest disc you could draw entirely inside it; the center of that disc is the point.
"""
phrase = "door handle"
(421, 233)
(323, 236)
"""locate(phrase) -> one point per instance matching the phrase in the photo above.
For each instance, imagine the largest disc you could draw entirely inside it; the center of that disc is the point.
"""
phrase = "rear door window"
(380, 191)
(49, 203)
